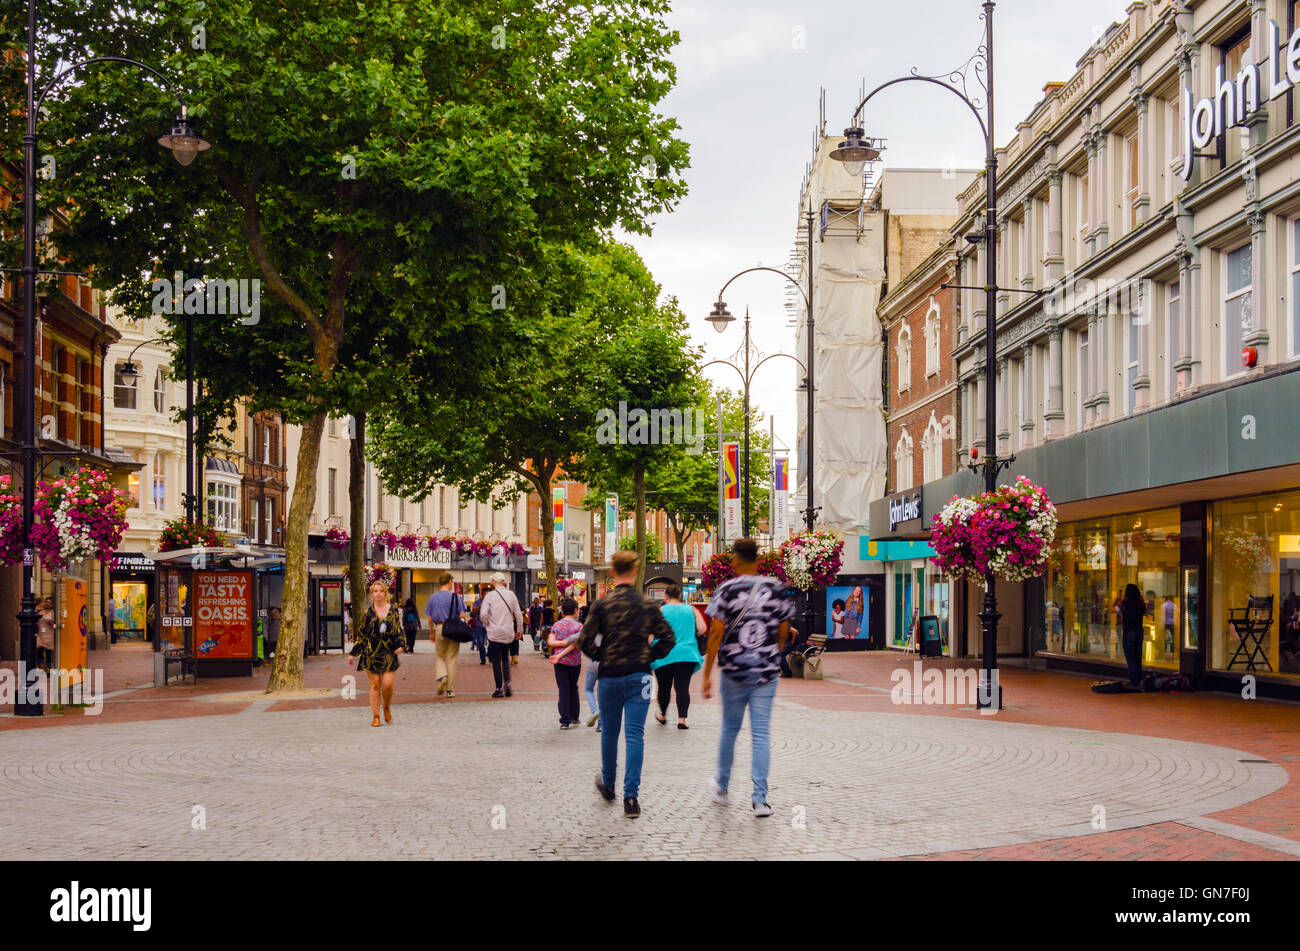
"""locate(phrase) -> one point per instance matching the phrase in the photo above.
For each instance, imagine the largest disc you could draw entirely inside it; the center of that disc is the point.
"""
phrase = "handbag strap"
(514, 621)
(726, 628)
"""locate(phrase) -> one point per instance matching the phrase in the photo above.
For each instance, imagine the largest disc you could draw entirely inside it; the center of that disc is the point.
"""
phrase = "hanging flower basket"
(1007, 533)
(810, 559)
(381, 570)
(77, 517)
(337, 537)
(408, 542)
(769, 563)
(11, 524)
(386, 540)
(717, 570)
(518, 550)
(178, 533)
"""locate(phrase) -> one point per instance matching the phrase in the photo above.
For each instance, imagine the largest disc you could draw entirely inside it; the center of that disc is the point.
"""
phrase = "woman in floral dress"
(379, 640)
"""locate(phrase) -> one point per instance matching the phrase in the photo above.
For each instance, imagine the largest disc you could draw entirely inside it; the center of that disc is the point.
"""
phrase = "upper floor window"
(1173, 143)
(159, 482)
(1132, 355)
(1085, 198)
(133, 483)
(266, 444)
(160, 391)
(1132, 179)
(904, 359)
(1084, 384)
(932, 451)
(932, 338)
(223, 506)
(332, 492)
(1173, 338)
(903, 463)
(124, 388)
(1238, 278)
(1231, 58)
(1294, 269)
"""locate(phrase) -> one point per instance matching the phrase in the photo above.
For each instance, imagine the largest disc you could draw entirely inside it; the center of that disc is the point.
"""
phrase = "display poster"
(223, 614)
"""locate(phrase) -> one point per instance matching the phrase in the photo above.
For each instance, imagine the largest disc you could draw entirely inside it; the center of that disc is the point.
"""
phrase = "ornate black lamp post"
(185, 145)
(854, 152)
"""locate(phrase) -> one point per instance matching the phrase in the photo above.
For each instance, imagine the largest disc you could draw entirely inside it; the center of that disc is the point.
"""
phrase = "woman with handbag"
(674, 670)
(379, 641)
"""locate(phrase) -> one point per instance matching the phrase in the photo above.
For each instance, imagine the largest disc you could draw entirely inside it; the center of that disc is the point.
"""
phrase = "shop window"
(904, 359)
(1255, 553)
(1089, 566)
(124, 387)
(903, 463)
(1238, 276)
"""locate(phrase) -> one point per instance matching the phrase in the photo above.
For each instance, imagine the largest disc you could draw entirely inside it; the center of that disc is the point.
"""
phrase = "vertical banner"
(731, 488)
(780, 507)
(223, 614)
(611, 526)
(557, 511)
(706, 549)
(74, 628)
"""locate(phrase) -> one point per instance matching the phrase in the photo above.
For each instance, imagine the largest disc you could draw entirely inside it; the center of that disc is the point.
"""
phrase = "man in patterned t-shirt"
(749, 629)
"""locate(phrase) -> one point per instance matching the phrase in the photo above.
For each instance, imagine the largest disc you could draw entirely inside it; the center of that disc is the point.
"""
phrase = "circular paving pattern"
(499, 780)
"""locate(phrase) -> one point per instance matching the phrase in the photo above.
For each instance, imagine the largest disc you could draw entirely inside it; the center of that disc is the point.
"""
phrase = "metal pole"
(189, 418)
(27, 616)
(744, 488)
(722, 478)
(810, 517)
(771, 482)
(989, 694)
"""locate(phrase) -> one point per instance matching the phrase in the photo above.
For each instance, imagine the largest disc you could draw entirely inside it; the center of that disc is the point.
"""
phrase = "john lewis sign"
(1238, 98)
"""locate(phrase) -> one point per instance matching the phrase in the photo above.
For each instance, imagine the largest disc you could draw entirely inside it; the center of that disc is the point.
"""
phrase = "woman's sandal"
(662, 720)
(682, 726)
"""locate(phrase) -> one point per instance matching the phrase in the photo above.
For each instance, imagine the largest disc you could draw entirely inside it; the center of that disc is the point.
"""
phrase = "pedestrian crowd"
(639, 653)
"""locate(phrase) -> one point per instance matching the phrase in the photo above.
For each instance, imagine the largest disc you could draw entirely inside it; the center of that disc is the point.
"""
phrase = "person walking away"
(674, 670)
(272, 630)
(1171, 621)
(564, 638)
(476, 628)
(443, 604)
(625, 632)
(535, 623)
(504, 620)
(378, 643)
(749, 627)
(1132, 609)
(410, 624)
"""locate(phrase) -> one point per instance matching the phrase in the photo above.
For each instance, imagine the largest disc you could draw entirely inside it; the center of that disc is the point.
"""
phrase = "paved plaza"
(498, 780)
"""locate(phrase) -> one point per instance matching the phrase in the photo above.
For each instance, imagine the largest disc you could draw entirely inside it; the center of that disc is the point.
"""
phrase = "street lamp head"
(855, 151)
(184, 141)
(720, 317)
(129, 369)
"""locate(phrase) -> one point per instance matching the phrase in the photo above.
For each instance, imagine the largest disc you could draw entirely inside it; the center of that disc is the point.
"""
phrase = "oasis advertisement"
(223, 614)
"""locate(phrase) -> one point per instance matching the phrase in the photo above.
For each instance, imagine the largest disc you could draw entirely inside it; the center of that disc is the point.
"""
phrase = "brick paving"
(854, 774)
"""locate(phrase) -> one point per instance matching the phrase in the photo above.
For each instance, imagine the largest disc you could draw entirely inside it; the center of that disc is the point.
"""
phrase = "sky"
(749, 74)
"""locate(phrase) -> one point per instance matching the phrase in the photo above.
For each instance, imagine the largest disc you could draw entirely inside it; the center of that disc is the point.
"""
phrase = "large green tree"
(422, 152)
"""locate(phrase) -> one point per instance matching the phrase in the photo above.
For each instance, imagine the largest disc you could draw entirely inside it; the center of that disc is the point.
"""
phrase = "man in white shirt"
(503, 619)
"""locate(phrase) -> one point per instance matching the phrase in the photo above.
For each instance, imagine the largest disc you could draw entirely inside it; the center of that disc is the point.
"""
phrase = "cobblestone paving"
(500, 780)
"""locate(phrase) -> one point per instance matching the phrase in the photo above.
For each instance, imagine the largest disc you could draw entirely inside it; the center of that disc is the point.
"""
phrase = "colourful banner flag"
(611, 526)
(731, 488)
(557, 509)
(780, 507)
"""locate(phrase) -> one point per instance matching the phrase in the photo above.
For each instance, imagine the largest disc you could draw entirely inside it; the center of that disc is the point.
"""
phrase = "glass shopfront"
(1255, 573)
(1090, 565)
(917, 589)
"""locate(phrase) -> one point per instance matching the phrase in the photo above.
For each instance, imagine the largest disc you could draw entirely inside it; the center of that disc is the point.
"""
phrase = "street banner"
(780, 507)
(74, 628)
(731, 488)
(223, 614)
(611, 526)
(557, 509)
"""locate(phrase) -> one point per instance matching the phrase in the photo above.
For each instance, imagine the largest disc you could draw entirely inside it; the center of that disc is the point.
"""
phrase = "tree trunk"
(357, 519)
(638, 484)
(679, 539)
(286, 672)
(542, 481)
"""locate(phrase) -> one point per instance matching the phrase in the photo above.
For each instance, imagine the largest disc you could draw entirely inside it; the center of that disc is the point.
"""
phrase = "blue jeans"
(589, 686)
(480, 643)
(735, 698)
(618, 696)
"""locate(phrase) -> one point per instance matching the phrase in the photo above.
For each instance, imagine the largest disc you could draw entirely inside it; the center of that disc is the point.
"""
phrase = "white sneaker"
(717, 793)
(762, 810)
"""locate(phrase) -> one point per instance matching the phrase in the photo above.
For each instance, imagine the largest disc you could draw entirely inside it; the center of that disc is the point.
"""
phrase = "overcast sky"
(747, 101)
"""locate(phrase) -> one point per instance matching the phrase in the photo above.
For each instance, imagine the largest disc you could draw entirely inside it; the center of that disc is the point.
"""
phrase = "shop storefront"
(132, 586)
(913, 588)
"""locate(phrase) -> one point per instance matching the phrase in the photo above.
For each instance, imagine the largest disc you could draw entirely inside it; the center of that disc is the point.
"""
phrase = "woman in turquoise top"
(675, 669)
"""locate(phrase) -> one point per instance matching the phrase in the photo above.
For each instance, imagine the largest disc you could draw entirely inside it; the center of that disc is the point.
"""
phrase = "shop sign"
(130, 561)
(1236, 99)
(421, 558)
(904, 507)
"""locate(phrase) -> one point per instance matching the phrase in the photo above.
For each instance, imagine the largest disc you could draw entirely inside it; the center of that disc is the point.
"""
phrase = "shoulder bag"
(454, 628)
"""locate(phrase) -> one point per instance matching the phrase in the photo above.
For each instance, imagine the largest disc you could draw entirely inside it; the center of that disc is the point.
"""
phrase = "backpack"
(1108, 686)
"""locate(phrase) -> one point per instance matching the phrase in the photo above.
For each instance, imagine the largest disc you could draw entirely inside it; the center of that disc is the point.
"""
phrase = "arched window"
(932, 451)
(932, 338)
(160, 391)
(903, 463)
(904, 359)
